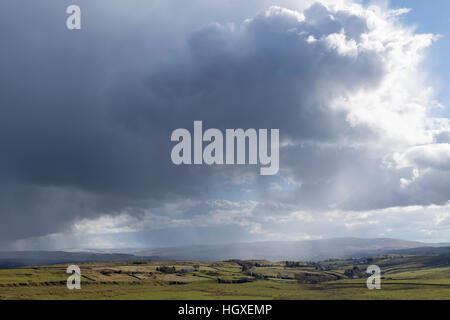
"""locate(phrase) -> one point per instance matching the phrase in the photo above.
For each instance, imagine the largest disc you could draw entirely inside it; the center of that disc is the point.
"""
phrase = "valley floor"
(411, 277)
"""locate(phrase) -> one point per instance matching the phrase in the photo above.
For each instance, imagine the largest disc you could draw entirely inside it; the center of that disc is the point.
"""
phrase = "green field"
(403, 277)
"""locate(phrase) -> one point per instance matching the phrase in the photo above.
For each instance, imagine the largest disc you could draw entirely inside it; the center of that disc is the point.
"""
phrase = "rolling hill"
(310, 250)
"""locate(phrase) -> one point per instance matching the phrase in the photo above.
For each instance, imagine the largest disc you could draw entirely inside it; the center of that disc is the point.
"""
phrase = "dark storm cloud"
(86, 116)
(57, 137)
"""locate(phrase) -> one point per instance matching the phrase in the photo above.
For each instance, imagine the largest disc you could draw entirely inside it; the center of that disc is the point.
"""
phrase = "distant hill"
(309, 250)
(425, 251)
(312, 250)
(12, 259)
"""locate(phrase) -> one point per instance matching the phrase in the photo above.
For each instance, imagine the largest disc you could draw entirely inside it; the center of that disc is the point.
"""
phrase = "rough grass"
(403, 278)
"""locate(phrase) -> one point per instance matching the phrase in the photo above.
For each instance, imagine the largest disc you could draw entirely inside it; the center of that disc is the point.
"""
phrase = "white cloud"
(432, 156)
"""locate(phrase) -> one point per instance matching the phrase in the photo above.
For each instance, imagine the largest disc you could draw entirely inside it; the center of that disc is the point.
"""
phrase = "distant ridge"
(14, 259)
(312, 250)
(307, 250)
(425, 251)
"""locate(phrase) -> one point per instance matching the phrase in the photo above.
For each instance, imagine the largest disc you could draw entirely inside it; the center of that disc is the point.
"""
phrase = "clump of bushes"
(166, 269)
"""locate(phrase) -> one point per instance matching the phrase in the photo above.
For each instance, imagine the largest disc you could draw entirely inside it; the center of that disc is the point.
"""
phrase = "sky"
(433, 18)
(358, 90)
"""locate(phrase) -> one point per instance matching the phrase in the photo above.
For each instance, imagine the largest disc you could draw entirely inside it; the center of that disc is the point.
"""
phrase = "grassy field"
(403, 277)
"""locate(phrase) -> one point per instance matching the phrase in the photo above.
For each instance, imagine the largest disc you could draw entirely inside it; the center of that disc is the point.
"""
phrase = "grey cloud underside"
(86, 118)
